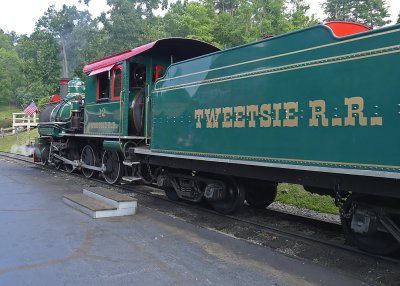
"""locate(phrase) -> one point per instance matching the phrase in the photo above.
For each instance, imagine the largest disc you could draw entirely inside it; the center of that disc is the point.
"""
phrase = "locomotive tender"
(317, 107)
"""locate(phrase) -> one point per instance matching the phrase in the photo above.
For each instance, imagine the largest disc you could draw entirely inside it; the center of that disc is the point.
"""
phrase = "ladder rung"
(128, 163)
(130, 179)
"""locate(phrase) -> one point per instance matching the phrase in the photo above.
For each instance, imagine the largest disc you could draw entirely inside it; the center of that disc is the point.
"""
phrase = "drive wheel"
(89, 157)
(44, 155)
(58, 164)
(259, 194)
(71, 155)
(377, 241)
(234, 197)
(112, 161)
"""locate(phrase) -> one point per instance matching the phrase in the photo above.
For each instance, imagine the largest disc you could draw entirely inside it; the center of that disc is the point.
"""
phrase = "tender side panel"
(312, 99)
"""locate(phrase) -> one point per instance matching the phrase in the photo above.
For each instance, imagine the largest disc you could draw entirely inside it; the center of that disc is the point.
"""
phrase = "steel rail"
(272, 229)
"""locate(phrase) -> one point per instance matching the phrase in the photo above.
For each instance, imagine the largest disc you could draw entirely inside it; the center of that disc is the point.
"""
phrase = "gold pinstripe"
(291, 67)
(98, 103)
(275, 159)
(285, 54)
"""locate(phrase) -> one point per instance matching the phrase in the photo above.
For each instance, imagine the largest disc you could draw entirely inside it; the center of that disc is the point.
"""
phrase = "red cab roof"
(185, 48)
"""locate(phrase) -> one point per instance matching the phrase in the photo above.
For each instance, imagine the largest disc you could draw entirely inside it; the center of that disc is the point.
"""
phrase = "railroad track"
(272, 221)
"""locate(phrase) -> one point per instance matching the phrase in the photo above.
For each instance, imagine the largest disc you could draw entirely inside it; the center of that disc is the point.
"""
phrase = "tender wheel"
(112, 160)
(147, 173)
(89, 157)
(171, 194)
(376, 239)
(260, 194)
(233, 200)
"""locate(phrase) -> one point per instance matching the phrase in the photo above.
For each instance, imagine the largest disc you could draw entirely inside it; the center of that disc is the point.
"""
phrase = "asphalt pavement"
(45, 242)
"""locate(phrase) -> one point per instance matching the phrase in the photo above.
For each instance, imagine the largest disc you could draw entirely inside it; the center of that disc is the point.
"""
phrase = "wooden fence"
(21, 120)
(6, 131)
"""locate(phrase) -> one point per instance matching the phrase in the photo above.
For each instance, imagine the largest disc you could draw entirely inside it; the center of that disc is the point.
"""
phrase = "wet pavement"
(45, 242)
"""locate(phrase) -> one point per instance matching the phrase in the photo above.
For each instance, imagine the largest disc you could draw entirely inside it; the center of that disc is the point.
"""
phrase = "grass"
(297, 196)
(6, 112)
(17, 139)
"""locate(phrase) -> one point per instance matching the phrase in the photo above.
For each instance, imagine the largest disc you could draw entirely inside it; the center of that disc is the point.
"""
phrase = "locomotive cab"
(118, 95)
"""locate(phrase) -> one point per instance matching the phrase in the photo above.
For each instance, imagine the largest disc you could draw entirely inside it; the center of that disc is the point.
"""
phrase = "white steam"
(26, 150)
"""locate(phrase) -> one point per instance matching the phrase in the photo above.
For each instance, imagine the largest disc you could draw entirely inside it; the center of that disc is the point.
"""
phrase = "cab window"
(137, 75)
(116, 82)
(103, 86)
(158, 72)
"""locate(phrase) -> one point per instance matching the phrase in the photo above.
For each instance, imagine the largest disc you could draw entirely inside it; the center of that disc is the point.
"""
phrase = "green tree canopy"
(298, 15)
(40, 67)
(9, 69)
(373, 13)
(189, 20)
(66, 39)
(69, 27)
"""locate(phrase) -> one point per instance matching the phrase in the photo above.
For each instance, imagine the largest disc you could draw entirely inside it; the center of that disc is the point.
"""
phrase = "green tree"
(69, 27)
(227, 32)
(145, 6)
(123, 27)
(190, 20)
(337, 9)
(373, 13)
(229, 23)
(226, 6)
(298, 15)
(40, 67)
(270, 17)
(9, 69)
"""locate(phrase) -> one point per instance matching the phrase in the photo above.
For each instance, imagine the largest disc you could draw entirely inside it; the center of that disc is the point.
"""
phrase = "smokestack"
(64, 87)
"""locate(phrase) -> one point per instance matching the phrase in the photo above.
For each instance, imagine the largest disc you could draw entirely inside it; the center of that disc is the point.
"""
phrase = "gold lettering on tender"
(265, 115)
(198, 115)
(239, 120)
(227, 111)
(252, 111)
(212, 117)
(336, 121)
(277, 108)
(355, 106)
(376, 121)
(291, 119)
(318, 112)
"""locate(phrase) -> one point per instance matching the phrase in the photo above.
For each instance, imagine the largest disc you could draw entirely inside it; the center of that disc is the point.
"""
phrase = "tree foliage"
(69, 27)
(40, 67)
(373, 13)
(66, 39)
(189, 20)
(9, 69)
